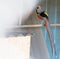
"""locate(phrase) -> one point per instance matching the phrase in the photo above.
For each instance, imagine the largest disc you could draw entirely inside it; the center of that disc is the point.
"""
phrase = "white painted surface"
(12, 10)
(15, 47)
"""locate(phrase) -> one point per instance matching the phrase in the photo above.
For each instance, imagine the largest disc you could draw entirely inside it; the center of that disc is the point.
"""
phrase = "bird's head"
(38, 7)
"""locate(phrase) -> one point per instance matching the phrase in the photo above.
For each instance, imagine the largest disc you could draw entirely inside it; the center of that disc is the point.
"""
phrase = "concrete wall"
(38, 48)
(38, 44)
(10, 12)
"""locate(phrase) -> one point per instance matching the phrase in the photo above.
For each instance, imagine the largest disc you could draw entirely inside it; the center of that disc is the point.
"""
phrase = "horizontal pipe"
(28, 26)
(54, 24)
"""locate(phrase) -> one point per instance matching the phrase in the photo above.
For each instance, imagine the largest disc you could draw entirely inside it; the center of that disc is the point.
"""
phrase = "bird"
(42, 15)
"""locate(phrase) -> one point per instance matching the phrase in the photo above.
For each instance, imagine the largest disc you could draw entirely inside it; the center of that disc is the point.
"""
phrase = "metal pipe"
(28, 26)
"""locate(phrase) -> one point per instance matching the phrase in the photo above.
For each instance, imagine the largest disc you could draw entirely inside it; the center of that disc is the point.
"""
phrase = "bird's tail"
(53, 47)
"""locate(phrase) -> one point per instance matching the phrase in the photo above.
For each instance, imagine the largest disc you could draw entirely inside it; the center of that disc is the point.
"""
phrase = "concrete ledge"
(15, 47)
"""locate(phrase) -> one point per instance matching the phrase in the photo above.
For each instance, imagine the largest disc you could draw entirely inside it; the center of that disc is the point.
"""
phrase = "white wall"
(12, 10)
(15, 47)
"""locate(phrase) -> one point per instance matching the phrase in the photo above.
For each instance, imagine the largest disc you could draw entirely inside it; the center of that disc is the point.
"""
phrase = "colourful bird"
(42, 15)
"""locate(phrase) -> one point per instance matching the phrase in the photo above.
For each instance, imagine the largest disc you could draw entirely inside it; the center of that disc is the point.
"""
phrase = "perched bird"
(42, 15)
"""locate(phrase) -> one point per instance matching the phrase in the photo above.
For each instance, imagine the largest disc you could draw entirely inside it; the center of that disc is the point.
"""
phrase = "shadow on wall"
(29, 21)
(38, 49)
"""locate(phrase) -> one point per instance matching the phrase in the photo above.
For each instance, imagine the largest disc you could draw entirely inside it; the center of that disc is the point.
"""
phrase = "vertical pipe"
(46, 10)
(55, 18)
(55, 23)
(46, 5)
